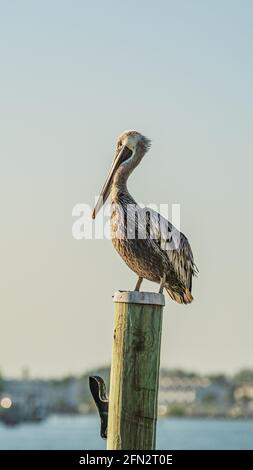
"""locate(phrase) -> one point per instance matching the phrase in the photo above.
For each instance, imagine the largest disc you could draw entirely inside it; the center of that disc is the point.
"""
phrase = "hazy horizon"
(75, 75)
(25, 373)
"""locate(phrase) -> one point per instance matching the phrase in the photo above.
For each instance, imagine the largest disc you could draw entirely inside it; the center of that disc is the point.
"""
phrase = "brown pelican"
(150, 245)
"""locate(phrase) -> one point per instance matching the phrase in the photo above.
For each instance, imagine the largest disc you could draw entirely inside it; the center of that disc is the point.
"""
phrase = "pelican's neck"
(120, 193)
(119, 183)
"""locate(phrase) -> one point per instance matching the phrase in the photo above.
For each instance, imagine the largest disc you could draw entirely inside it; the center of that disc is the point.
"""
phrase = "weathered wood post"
(135, 370)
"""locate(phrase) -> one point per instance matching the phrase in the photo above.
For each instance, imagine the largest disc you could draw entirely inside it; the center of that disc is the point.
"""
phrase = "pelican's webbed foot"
(138, 285)
(163, 282)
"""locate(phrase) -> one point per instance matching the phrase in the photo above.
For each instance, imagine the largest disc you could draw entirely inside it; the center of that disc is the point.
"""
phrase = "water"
(82, 432)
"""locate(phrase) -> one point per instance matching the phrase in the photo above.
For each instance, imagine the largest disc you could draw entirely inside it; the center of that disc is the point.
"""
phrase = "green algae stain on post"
(135, 370)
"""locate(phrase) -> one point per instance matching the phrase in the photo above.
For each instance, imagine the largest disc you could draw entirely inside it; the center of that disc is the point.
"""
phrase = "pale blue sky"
(75, 74)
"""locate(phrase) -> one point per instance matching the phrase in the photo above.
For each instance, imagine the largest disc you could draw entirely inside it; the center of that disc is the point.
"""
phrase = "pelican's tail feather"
(181, 298)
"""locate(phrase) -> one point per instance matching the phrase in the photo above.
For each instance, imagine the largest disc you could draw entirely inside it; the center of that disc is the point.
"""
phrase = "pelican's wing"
(175, 245)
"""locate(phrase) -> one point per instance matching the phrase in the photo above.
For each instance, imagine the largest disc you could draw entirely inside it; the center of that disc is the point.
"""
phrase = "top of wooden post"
(136, 297)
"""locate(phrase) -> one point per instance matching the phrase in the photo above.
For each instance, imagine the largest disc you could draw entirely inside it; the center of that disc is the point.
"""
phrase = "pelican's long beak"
(121, 156)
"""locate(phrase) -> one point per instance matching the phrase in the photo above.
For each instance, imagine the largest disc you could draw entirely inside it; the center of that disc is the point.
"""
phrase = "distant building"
(50, 396)
(243, 395)
(180, 390)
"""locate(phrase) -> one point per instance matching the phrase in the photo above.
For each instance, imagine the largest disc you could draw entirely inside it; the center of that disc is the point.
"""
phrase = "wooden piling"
(135, 370)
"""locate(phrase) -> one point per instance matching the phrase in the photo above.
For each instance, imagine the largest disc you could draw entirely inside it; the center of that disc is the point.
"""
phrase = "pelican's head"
(133, 140)
(130, 149)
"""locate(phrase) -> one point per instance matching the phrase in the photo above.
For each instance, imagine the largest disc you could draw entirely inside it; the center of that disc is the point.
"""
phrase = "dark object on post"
(98, 390)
